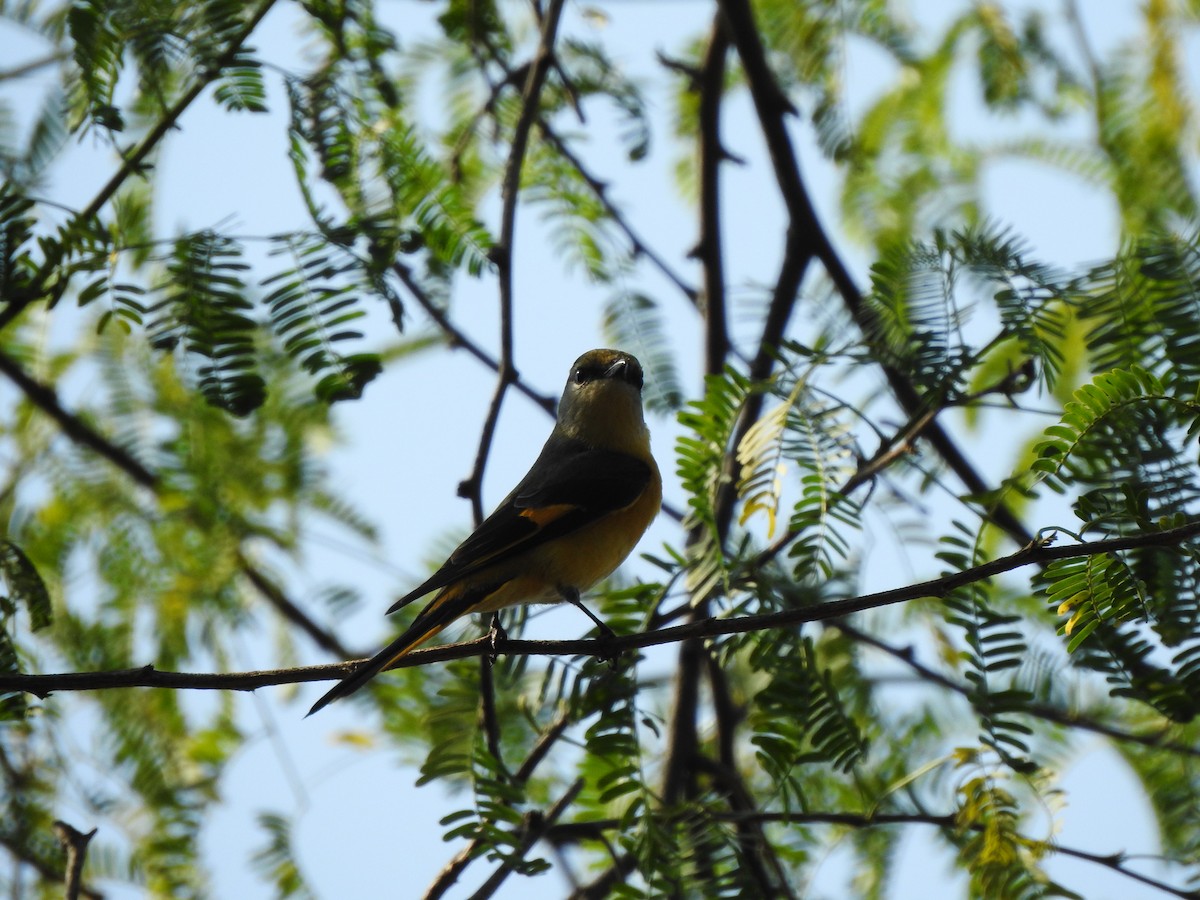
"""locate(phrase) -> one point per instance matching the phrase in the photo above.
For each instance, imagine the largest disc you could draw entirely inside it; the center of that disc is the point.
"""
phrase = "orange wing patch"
(544, 515)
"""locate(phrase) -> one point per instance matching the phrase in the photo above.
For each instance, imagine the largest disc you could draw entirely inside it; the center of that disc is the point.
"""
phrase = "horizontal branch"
(1034, 555)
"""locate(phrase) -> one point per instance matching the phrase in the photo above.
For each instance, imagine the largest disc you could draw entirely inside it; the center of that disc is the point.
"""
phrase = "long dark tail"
(445, 608)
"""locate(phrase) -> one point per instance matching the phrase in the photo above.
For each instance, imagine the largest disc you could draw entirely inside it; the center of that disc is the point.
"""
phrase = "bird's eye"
(579, 376)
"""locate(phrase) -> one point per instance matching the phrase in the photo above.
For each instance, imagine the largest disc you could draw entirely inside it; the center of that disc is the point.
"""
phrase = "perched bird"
(591, 493)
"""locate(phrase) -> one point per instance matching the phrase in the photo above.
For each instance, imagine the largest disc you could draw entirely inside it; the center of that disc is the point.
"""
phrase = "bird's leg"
(487, 695)
(571, 595)
(496, 634)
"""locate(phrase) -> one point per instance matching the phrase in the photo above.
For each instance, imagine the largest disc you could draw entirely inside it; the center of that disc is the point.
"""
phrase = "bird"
(576, 515)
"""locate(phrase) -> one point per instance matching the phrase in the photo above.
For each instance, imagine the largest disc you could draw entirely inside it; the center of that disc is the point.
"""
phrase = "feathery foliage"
(167, 489)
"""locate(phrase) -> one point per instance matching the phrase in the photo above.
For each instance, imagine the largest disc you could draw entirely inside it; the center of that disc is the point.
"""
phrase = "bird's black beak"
(625, 372)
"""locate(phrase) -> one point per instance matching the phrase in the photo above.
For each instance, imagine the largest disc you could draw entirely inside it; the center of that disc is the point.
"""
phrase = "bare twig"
(458, 339)
(50, 59)
(286, 607)
(600, 189)
(75, 844)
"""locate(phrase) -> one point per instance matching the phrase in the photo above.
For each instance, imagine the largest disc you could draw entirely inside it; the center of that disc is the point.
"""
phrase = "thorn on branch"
(498, 256)
(468, 487)
(690, 72)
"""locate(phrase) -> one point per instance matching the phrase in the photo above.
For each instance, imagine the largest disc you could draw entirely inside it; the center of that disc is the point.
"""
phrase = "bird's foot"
(496, 635)
(607, 635)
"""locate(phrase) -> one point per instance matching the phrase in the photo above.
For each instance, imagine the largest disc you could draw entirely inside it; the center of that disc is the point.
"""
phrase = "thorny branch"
(682, 738)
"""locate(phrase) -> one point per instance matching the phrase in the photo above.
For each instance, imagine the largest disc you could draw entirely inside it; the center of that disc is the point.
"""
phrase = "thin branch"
(1034, 555)
(133, 161)
(806, 236)
(506, 372)
(599, 188)
(510, 187)
(21, 71)
(533, 829)
(1043, 711)
(458, 339)
(891, 450)
(487, 704)
(46, 399)
(453, 869)
(75, 844)
(286, 607)
(578, 831)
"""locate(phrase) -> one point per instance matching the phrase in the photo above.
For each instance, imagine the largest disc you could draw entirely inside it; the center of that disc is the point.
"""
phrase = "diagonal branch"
(46, 399)
(458, 339)
(637, 244)
(453, 869)
(533, 828)
(1044, 711)
(807, 237)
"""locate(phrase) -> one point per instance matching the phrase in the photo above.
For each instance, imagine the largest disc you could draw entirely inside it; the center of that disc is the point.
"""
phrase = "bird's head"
(602, 402)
